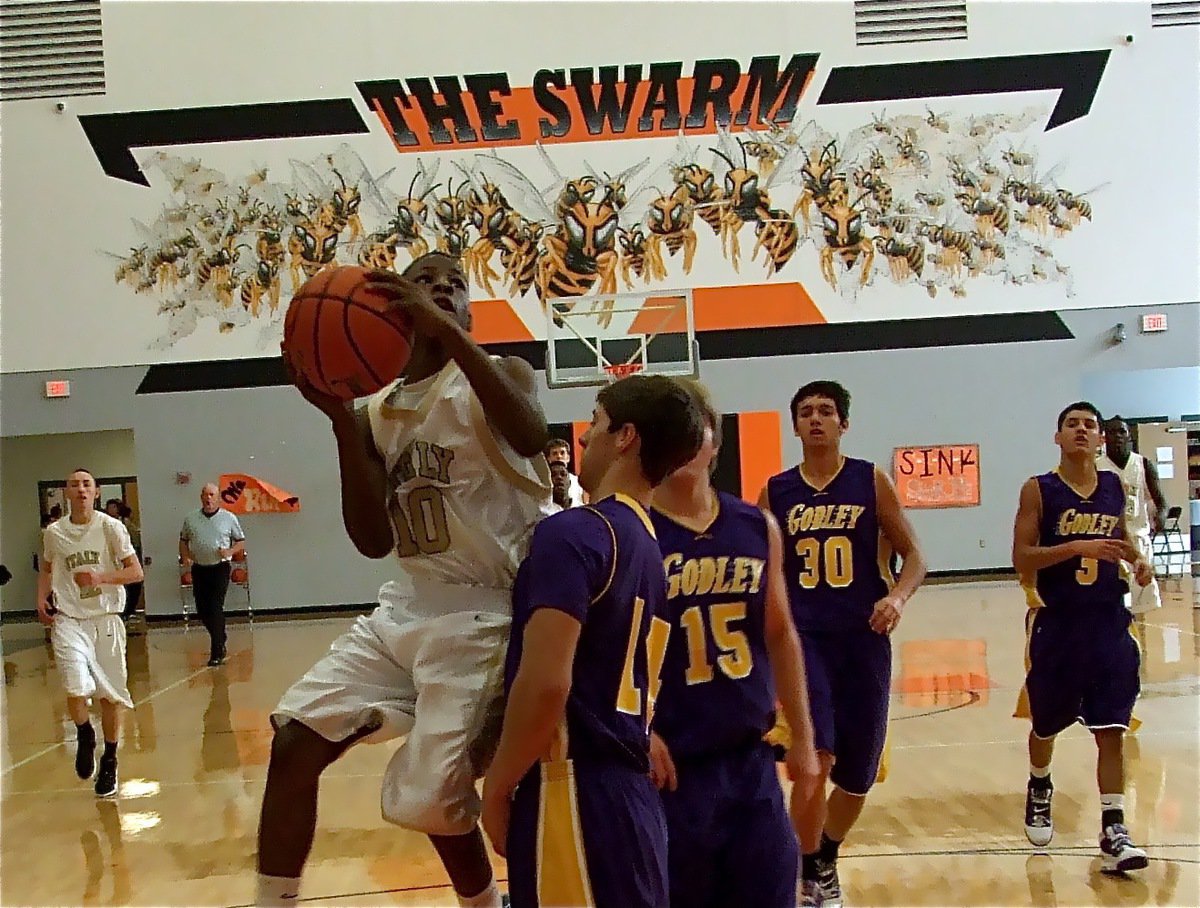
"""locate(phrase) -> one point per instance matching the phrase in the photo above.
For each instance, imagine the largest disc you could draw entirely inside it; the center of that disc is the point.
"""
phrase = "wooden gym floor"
(945, 828)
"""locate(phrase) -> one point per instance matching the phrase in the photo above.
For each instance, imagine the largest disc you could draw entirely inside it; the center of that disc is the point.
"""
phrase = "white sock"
(277, 890)
(1039, 772)
(1112, 802)
(489, 898)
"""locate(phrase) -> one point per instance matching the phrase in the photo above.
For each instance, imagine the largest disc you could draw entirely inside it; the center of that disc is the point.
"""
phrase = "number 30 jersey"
(461, 501)
(837, 562)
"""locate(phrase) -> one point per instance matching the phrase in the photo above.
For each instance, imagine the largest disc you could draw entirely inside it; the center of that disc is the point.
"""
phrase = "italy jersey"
(1067, 516)
(601, 565)
(717, 693)
(836, 559)
(461, 501)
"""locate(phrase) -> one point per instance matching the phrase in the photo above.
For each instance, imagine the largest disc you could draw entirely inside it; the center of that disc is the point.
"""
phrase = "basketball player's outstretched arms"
(506, 388)
(363, 475)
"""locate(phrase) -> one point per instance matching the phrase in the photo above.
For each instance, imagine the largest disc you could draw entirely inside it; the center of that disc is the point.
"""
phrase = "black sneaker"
(85, 756)
(1039, 826)
(829, 889)
(106, 778)
(217, 659)
(1119, 853)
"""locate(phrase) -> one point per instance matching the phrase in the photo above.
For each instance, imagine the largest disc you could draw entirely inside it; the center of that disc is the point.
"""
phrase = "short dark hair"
(421, 259)
(704, 401)
(556, 443)
(666, 416)
(1079, 405)
(83, 470)
(831, 389)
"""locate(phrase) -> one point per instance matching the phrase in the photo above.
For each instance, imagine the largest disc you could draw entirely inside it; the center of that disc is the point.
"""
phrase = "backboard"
(593, 340)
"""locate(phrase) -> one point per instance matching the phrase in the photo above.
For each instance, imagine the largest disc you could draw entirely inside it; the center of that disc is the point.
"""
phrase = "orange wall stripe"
(728, 308)
(760, 450)
(495, 322)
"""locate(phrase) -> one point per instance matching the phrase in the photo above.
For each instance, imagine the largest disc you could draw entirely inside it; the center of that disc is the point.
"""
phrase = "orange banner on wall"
(243, 494)
(937, 476)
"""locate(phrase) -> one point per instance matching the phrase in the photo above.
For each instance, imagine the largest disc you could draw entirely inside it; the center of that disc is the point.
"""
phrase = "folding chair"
(1168, 540)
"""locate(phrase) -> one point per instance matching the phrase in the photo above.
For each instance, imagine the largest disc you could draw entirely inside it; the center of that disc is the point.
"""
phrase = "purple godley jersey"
(601, 565)
(1067, 516)
(717, 690)
(836, 560)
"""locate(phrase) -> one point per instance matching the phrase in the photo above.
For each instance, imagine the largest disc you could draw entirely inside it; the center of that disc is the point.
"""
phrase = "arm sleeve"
(120, 545)
(570, 561)
(236, 533)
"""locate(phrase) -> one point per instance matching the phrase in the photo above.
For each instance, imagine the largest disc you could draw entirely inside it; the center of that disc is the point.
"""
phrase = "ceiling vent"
(909, 21)
(50, 49)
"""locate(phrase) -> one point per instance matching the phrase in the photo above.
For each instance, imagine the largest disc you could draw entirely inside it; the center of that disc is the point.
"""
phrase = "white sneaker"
(1039, 825)
(1119, 853)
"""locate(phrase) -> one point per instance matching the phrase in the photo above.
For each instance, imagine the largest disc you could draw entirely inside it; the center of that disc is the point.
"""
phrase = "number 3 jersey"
(717, 692)
(461, 501)
(837, 562)
(1068, 516)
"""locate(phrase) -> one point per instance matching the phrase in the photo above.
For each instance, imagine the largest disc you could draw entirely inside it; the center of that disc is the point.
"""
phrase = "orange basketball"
(186, 578)
(238, 575)
(341, 336)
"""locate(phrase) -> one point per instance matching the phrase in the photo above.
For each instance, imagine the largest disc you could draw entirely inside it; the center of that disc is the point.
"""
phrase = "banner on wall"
(244, 494)
(937, 476)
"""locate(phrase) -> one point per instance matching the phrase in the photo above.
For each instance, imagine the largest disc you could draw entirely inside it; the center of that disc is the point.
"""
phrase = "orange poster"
(937, 476)
(243, 494)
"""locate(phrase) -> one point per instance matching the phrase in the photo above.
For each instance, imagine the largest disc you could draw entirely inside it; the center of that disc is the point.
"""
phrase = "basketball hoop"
(622, 370)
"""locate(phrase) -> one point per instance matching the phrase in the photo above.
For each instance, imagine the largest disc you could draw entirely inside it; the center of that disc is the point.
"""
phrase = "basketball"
(341, 336)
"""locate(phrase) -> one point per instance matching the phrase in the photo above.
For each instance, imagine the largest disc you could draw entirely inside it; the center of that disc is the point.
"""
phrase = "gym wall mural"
(784, 187)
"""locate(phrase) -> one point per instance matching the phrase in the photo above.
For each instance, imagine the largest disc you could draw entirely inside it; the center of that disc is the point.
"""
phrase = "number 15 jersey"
(837, 561)
(461, 501)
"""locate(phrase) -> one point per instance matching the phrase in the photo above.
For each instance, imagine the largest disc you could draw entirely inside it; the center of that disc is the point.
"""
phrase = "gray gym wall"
(1003, 397)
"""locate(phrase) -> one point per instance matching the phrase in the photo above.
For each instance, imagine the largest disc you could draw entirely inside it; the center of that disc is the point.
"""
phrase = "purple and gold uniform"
(1083, 661)
(837, 563)
(730, 839)
(587, 824)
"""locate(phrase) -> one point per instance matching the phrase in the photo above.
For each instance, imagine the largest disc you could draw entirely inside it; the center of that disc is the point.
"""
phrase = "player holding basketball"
(842, 522)
(445, 468)
(1071, 536)
(733, 649)
(568, 798)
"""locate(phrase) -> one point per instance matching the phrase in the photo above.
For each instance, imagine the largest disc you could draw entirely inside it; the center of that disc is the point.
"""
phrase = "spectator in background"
(559, 451)
(118, 509)
(209, 541)
(560, 484)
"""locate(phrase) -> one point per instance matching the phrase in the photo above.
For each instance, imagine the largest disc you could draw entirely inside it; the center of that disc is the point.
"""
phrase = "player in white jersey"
(445, 468)
(1145, 505)
(87, 557)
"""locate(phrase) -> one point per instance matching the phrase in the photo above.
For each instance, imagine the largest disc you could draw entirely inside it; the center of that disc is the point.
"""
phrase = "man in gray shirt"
(209, 541)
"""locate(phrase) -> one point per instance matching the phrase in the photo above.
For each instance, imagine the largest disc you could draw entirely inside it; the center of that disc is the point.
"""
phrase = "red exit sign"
(58, 389)
(1155, 322)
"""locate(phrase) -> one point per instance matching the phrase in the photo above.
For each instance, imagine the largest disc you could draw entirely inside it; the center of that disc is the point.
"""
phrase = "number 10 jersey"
(462, 503)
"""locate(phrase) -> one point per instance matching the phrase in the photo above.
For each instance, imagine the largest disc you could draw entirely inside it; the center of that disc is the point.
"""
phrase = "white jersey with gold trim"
(1137, 496)
(461, 501)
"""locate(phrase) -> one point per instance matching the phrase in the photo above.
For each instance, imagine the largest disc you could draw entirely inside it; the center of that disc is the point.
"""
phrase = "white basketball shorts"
(430, 669)
(90, 653)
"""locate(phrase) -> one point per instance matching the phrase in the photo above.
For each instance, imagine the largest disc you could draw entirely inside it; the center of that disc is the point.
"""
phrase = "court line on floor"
(1070, 851)
(57, 744)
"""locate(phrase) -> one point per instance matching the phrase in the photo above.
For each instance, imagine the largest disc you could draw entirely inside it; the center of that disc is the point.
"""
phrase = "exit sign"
(1154, 322)
(58, 389)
